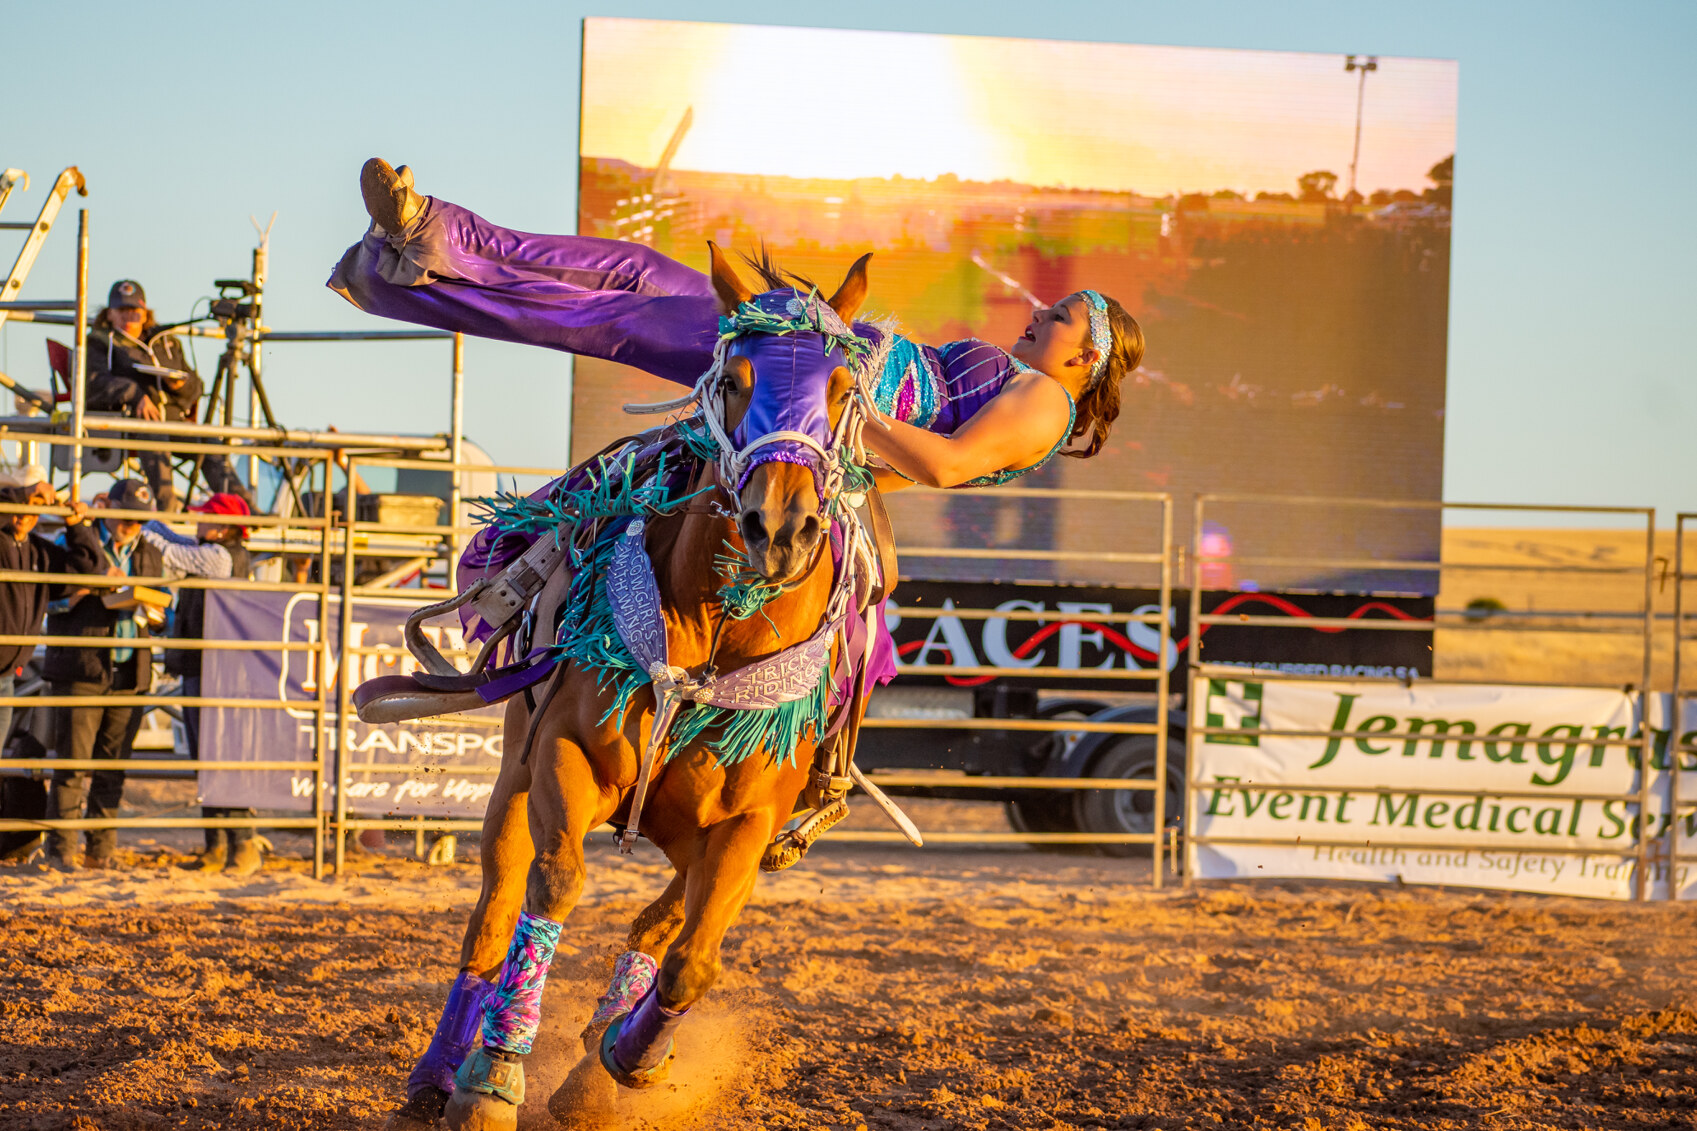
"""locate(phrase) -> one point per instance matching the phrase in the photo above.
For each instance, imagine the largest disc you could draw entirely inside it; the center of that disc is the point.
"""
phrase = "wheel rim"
(1134, 809)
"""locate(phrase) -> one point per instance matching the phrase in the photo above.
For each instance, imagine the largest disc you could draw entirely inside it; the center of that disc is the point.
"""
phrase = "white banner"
(1475, 785)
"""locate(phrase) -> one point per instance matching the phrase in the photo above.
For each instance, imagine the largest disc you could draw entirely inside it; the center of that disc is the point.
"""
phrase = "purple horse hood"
(791, 375)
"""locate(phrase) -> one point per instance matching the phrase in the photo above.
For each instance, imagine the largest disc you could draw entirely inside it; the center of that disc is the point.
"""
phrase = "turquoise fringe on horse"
(588, 635)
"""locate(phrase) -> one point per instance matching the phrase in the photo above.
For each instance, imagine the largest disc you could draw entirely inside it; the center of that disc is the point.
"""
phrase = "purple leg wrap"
(647, 1033)
(514, 1008)
(633, 974)
(454, 1035)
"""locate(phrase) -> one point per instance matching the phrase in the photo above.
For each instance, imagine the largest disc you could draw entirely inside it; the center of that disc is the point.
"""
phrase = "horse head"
(785, 383)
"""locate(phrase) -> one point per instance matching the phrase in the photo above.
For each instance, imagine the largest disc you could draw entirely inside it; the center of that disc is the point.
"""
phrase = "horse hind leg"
(651, 935)
(586, 1097)
(637, 1048)
(565, 803)
(506, 855)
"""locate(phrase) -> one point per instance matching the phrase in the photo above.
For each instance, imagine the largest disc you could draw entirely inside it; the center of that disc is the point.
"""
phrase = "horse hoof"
(586, 1098)
(479, 1111)
(635, 1078)
(421, 1112)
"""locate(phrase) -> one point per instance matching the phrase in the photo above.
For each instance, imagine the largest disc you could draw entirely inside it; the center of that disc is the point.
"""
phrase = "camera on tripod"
(228, 307)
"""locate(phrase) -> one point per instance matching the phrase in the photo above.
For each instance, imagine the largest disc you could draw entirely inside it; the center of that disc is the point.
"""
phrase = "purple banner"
(434, 768)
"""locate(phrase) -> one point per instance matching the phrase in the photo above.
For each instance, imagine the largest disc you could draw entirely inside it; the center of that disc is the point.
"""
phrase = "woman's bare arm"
(1017, 428)
(887, 481)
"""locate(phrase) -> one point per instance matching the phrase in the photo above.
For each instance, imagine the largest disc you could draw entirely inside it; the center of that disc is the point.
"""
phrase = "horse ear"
(849, 297)
(738, 390)
(837, 394)
(726, 285)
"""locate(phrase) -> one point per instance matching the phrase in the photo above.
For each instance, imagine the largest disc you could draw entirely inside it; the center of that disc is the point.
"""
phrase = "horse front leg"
(565, 803)
(506, 856)
(636, 1049)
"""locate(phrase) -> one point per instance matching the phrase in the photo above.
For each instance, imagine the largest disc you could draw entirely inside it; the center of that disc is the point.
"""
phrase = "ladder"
(38, 229)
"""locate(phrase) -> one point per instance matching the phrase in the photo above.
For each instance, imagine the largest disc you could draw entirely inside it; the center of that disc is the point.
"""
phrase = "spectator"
(115, 547)
(121, 340)
(23, 604)
(215, 551)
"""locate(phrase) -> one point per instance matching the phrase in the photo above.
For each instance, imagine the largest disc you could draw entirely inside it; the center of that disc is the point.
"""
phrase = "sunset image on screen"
(1279, 223)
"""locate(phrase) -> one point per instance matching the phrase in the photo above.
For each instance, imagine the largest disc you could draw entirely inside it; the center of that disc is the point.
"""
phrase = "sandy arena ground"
(867, 988)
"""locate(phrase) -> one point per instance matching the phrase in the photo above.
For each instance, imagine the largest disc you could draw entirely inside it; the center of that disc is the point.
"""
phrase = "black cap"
(130, 495)
(126, 292)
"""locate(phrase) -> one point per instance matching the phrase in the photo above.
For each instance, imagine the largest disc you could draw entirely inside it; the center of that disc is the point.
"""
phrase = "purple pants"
(608, 299)
(600, 298)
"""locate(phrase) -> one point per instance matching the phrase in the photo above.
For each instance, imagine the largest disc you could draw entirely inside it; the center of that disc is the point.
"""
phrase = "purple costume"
(626, 303)
(621, 302)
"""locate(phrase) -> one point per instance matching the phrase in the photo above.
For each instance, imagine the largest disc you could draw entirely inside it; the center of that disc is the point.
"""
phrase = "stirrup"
(788, 848)
(397, 698)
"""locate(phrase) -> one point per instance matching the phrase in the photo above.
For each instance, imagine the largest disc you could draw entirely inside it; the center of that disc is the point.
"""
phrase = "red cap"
(224, 503)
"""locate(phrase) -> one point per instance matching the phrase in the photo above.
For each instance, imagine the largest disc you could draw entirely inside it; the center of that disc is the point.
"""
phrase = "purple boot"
(432, 1079)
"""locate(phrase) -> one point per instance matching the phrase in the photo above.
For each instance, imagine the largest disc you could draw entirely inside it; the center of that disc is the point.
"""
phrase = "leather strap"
(536, 715)
(884, 540)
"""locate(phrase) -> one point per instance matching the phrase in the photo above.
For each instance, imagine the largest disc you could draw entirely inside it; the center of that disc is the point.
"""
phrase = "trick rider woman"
(965, 414)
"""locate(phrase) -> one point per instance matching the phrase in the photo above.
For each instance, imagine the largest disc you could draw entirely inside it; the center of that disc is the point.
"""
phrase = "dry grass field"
(1568, 640)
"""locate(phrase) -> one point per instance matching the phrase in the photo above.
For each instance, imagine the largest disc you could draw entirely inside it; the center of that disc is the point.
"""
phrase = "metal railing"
(1156, 680)
(1642, 626)
(1680, 694)
(144, 702)
(311, 453)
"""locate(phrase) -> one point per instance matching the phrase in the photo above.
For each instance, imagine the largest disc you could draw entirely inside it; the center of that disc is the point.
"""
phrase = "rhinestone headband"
(1101, 333)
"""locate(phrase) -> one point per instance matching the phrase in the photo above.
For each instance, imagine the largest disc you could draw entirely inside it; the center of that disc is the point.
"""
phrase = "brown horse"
(572, 763)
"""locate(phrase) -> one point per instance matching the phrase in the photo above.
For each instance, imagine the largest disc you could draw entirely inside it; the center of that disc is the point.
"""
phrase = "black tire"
(1128, 810)
(1051, 810)
(1043, 815)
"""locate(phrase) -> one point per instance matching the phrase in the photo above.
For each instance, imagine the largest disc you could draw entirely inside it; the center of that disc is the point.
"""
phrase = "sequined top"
(940, 388)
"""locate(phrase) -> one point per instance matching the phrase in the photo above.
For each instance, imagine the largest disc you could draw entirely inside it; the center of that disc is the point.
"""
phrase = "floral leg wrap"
(455, 1033)
(633, 973)
(514, 1009)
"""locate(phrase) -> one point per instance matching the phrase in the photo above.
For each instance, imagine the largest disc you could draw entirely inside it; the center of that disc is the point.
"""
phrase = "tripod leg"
(225, 378)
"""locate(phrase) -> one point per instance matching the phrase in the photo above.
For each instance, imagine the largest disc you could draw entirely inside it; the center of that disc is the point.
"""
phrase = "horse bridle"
(846, 442)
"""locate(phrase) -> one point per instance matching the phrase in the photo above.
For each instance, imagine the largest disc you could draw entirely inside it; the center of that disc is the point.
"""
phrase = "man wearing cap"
(121, 340)
(113, 546)
(215, 551)
(23, 604)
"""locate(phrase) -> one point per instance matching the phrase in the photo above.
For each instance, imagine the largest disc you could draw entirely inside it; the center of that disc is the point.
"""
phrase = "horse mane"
(775, 277)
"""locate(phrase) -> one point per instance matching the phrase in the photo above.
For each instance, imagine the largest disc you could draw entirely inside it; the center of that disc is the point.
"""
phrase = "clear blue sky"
(1571, 355)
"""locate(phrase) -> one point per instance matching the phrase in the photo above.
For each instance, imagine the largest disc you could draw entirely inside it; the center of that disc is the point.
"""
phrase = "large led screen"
(1278, 223)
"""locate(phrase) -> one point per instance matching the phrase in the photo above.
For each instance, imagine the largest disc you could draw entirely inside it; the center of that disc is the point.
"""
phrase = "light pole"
(1362, 63)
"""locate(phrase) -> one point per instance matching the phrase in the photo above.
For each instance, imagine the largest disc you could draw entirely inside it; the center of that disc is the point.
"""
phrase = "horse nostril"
(809, 532)
(753, 529)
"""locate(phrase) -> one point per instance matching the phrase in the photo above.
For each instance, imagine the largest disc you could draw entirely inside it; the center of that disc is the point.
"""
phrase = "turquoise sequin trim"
(907, 388)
